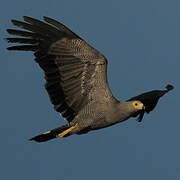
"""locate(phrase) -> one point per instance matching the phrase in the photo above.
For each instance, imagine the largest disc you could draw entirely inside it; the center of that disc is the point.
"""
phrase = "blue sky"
(141, 40)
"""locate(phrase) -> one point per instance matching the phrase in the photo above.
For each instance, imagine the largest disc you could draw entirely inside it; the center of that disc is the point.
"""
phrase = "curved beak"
(141, 106)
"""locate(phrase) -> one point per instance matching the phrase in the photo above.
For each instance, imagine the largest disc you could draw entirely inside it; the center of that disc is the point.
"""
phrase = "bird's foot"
(64, 133)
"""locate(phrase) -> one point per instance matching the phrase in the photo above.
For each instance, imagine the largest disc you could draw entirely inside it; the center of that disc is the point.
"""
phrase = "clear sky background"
(141, 40)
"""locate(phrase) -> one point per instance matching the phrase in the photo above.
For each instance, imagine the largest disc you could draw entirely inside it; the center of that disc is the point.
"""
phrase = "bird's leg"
(64, 133)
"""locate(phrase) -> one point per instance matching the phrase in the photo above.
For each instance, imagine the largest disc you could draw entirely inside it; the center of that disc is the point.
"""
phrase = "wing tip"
(14, 21)
(33, 139)
(28, 19)
(9, 48)
(45, 17)
(8, 31)
(39, 138)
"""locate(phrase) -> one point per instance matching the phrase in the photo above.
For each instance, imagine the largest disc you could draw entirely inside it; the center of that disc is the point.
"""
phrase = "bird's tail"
(169, 87)
(54, 133)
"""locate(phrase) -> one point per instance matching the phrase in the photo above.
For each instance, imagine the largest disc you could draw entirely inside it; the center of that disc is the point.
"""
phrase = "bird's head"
(135, 107)
(138, 105)
(132, 107)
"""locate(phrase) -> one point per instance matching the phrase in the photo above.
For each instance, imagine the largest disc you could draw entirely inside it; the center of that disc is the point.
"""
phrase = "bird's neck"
(123, 111)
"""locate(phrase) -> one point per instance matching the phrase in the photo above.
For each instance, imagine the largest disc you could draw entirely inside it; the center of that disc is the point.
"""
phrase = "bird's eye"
(135, 104)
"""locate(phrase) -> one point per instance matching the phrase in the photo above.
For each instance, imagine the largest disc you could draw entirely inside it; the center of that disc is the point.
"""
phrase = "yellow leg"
(66, 131)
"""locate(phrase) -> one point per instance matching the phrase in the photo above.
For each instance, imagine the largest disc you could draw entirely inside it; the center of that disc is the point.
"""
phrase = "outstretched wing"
(74, 71)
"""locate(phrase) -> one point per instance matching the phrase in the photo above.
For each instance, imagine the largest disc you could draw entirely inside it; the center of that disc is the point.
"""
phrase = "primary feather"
(69, 63)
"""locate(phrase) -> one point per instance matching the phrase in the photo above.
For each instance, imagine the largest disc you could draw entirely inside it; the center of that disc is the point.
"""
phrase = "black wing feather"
(69, 63)
(60, 26)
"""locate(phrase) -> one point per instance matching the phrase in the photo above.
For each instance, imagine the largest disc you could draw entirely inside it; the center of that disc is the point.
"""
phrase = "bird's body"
(76, 78)
(106, 114)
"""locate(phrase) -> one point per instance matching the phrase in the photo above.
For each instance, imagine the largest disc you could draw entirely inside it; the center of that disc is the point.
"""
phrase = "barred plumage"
(76, 77)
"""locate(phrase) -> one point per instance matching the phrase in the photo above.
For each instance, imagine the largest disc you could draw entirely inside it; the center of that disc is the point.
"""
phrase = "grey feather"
(75, 74)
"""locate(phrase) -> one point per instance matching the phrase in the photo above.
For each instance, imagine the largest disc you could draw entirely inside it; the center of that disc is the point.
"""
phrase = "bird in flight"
(76, 79)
